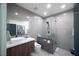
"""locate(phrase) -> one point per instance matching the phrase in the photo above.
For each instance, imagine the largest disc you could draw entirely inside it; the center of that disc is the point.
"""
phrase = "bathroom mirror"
(20, 30)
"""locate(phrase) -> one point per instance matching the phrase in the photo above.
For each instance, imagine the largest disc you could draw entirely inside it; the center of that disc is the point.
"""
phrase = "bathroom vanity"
(20, 47)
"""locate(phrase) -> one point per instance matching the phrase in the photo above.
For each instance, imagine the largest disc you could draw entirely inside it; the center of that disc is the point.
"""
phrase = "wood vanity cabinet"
(21, 50)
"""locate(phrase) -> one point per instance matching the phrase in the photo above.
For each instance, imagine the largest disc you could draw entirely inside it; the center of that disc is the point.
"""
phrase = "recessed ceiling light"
(63, 6)
(28, 17)
(64, 14)
(48, 6)
(16, 13)
(45, 13)
(58, 17)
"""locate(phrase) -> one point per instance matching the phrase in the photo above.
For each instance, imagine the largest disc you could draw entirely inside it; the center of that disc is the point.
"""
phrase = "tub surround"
(47, 44)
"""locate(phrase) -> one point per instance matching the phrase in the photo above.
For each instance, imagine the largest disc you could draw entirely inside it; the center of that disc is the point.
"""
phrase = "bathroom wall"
(45, 27)
(51, 27)
(3, 13)
(21, 19)
(35, 27)
(62, 29)
(65, 27)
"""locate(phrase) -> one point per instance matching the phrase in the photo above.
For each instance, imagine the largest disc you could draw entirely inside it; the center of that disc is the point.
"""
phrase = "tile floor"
(58, 52)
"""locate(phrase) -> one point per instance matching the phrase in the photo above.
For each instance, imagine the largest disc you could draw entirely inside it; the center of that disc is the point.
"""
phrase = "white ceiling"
(40, 8)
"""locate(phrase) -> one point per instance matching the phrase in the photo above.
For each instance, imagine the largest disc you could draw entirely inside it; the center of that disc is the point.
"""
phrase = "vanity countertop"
(17, 41)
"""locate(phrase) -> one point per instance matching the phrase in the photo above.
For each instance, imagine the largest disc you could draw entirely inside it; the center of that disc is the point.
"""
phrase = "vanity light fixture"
(63, 6)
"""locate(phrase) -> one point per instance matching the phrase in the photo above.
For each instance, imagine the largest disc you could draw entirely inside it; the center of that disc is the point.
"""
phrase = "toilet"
(37, 45)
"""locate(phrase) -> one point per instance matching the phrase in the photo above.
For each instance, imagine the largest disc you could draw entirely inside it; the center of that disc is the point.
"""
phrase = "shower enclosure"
(48, 36)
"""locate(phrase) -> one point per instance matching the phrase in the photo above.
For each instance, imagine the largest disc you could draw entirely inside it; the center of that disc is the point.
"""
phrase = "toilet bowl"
(37, 45)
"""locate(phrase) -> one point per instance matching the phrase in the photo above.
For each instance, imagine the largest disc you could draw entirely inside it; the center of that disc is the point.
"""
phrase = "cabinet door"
(31, 44)
(25, 49)
(20, 50)
(14, 51)
(31, 47)
(8, 51)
